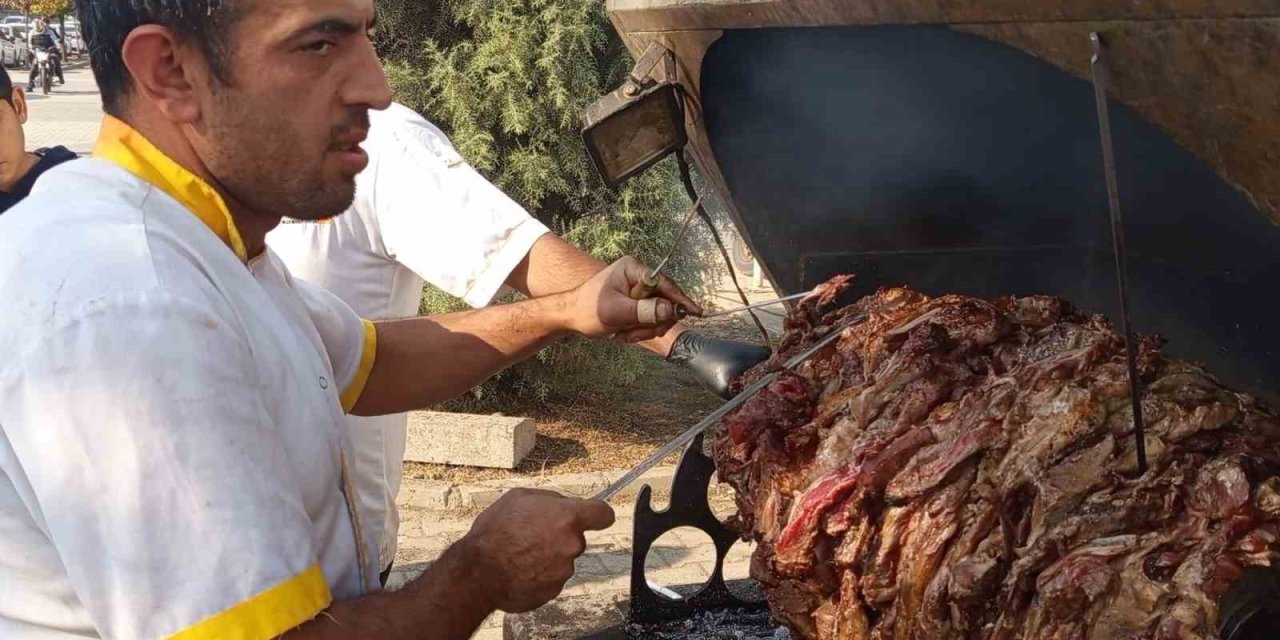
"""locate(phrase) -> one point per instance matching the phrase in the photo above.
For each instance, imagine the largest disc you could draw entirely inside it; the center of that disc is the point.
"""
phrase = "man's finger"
(669, 290)
(594, 515)
(654, 311)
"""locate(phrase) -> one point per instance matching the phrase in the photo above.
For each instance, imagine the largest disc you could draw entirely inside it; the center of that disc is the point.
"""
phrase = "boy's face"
(13, 142)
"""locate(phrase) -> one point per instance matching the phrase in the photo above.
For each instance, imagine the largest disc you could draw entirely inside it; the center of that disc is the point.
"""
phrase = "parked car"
(72, 41)
(13, 20)
(13, 47)
(18, 34)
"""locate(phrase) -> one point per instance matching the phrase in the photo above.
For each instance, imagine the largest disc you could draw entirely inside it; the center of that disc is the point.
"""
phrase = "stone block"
(469, 440)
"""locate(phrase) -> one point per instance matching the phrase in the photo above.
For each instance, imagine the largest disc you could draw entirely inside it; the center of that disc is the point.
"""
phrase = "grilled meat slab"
(961, 468)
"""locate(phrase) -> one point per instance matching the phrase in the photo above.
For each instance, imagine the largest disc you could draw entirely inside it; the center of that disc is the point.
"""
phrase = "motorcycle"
(44, 74)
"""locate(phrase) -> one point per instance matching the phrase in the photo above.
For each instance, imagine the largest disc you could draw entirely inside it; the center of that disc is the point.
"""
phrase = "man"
(423, 214)
(173, 461)
(43, 38)
(18, 167)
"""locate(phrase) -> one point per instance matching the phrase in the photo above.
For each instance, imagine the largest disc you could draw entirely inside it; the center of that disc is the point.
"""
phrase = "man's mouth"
(350, 141)
(347, 148)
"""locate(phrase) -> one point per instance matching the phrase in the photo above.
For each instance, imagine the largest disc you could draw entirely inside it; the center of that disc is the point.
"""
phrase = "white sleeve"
(350, 341)
(147, 455)
(443, 220)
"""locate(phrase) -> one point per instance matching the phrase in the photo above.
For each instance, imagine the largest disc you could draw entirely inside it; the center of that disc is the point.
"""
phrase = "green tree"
(47, 8)
(509, 81)
(51, 8)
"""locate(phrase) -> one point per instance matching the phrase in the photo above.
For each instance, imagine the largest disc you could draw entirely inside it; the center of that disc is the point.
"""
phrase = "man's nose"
(368, 87)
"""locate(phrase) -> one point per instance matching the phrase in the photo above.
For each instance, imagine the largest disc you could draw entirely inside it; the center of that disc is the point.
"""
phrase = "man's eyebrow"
(330, 26)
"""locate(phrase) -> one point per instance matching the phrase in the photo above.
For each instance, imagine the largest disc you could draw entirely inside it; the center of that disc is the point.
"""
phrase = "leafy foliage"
(509, 81)
(47, 8)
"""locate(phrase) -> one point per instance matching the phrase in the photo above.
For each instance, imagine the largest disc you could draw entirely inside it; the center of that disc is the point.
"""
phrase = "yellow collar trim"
(123, 145)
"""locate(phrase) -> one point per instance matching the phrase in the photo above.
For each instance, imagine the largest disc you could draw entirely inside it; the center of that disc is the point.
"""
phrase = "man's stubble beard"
(264, 172)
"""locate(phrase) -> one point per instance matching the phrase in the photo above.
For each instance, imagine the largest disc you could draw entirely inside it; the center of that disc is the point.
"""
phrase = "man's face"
(13, 142)
(283, 138)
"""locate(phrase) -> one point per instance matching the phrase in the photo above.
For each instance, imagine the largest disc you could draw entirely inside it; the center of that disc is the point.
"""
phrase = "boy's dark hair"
(105, 24)
(6, 85)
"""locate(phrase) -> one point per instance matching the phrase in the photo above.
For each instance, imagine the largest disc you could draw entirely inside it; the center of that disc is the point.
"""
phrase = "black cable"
(686, 176)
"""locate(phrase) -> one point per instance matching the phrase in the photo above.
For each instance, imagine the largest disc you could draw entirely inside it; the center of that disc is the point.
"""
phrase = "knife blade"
(685, 438)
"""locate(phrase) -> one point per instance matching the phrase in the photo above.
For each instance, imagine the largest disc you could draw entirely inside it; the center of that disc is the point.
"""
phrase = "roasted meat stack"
(963, 468)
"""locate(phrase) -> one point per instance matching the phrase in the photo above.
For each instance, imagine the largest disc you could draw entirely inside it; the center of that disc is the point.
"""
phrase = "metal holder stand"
(689, 508)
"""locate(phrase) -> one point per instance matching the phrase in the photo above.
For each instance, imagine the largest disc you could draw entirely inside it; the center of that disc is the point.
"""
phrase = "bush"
(509, 81)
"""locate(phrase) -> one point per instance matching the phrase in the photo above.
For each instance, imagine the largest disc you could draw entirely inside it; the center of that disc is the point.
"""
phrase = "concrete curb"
(432, 495)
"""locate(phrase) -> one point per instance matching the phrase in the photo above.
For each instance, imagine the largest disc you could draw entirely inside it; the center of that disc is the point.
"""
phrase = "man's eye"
(322, 47)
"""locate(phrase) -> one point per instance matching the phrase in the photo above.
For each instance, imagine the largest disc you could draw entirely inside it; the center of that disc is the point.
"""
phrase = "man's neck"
(29, 162)
(252, 225)
(253, 228)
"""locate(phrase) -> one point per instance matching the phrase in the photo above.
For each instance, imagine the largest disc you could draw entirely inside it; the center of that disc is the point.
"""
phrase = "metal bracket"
(689, 508)
(1101, 77)
(641, 75)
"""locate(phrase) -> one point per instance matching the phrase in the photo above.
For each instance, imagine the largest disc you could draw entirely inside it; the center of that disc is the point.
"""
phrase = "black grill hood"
(943, 158)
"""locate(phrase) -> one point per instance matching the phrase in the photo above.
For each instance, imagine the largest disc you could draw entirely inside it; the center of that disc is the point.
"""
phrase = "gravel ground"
(609, 433)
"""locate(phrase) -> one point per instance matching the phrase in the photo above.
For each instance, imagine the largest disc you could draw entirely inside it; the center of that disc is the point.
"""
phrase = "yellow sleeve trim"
(269, 614)
(351, 396)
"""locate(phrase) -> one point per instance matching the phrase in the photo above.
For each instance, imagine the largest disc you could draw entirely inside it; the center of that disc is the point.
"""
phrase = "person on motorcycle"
(20, 168)
(43, 38)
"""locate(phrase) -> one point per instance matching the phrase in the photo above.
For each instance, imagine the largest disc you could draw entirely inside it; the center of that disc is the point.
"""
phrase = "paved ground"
(69, 116)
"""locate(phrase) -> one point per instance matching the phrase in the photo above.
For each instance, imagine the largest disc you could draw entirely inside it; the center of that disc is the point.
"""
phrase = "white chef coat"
(420, 213)
(173, 459)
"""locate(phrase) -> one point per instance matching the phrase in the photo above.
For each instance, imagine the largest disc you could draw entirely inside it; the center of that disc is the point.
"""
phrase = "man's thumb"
(653, 311)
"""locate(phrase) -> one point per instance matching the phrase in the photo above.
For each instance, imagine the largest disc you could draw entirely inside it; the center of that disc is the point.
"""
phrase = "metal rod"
(750, 392)
(686, 178)
(1100, 76)
(766, 303)
(675, 245)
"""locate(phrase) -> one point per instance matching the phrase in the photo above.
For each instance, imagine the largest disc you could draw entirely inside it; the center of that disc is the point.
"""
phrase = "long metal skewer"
(758, 305)
(750, 392)
(1099, 66)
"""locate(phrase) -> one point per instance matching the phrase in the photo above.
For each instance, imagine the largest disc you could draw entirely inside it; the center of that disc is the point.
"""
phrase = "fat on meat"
(953, 467)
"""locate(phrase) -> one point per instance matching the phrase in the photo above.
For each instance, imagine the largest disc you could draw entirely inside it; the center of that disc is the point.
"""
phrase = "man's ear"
(19, 100)
(162, 72)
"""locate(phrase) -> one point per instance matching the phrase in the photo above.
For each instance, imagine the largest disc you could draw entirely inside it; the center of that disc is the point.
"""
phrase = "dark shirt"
(43, 40)
(49, 158)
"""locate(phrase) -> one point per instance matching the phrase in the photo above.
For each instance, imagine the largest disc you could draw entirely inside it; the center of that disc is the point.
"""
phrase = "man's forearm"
(442, 604)
(424, 361)
(554, 266)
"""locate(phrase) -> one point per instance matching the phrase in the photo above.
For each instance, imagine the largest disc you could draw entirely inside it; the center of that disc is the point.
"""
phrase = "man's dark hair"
(105, 24)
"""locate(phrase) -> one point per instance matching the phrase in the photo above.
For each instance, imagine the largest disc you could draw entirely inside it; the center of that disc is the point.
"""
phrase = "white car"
(13, 46)
(72, 41)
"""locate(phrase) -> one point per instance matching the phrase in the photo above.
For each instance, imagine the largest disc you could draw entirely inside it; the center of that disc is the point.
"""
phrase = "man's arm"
(443, 604)
(554, 265)
(424, 361)
(517, 557)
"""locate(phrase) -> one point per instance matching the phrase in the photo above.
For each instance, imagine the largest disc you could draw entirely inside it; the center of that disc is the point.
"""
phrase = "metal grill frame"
(689, 507)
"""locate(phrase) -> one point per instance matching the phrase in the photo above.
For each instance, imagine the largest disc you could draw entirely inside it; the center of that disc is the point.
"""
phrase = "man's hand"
(524, 546)
(714, 362)
(516, 558)
(602, 306)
